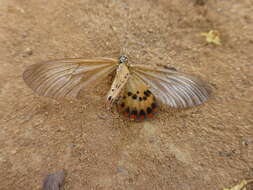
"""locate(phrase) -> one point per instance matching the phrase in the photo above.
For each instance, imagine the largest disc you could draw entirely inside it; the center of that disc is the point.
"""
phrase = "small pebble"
(28, 52)
(151, 139)
(120, 169)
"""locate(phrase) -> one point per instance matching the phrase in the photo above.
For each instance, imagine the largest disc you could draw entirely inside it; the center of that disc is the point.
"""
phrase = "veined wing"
(173, 88)
(66, 77)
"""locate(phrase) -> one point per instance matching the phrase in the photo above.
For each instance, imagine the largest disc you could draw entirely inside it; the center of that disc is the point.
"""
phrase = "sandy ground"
(208, 147)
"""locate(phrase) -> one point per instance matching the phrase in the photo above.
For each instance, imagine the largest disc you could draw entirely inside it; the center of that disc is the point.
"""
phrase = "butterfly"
(136, 89)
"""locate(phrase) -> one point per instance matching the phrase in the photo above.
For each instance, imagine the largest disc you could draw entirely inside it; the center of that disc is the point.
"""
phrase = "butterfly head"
(123, 59)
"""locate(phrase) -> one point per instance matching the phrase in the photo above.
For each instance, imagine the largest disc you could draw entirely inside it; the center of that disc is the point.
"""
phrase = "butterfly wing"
(173, 88)
(65, 78)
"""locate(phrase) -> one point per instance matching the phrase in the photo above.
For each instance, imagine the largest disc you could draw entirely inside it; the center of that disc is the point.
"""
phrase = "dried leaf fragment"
(212, 36)
(240, 186)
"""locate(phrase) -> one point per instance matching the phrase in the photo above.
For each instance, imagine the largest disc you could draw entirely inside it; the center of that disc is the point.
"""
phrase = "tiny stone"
(13, 152)
(120, 169)
(151, 139)
(28, 52)
(245, 143)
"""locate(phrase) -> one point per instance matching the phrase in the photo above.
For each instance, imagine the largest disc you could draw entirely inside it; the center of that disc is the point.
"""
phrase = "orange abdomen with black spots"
(136, 101)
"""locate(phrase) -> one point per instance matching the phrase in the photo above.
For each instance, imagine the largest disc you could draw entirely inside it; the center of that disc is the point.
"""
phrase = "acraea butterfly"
(135, 91)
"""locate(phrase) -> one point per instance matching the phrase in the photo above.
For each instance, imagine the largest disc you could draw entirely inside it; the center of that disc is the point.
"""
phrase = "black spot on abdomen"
(149, 110)
(134, 96)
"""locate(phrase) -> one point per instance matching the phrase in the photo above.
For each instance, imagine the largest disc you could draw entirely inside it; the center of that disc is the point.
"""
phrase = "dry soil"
(208, 147)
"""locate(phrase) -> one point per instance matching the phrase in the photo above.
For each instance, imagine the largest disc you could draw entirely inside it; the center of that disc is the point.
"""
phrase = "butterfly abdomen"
(137, 102)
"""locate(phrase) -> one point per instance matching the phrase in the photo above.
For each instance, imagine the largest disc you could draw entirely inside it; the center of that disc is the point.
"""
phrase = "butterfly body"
(137, 101)
(121, 78)
(135, 91)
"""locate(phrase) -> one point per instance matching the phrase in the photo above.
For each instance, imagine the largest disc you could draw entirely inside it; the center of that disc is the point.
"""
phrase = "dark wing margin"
(65, 78)
(178, 90)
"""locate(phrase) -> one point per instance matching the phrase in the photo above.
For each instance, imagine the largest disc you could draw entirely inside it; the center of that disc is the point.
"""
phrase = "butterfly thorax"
(123, 59)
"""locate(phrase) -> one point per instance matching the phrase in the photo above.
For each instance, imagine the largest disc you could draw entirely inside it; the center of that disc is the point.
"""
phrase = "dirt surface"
(208, 147)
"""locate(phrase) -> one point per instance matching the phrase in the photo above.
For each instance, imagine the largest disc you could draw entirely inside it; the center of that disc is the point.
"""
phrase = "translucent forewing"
(65, 78)
(173, 88)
